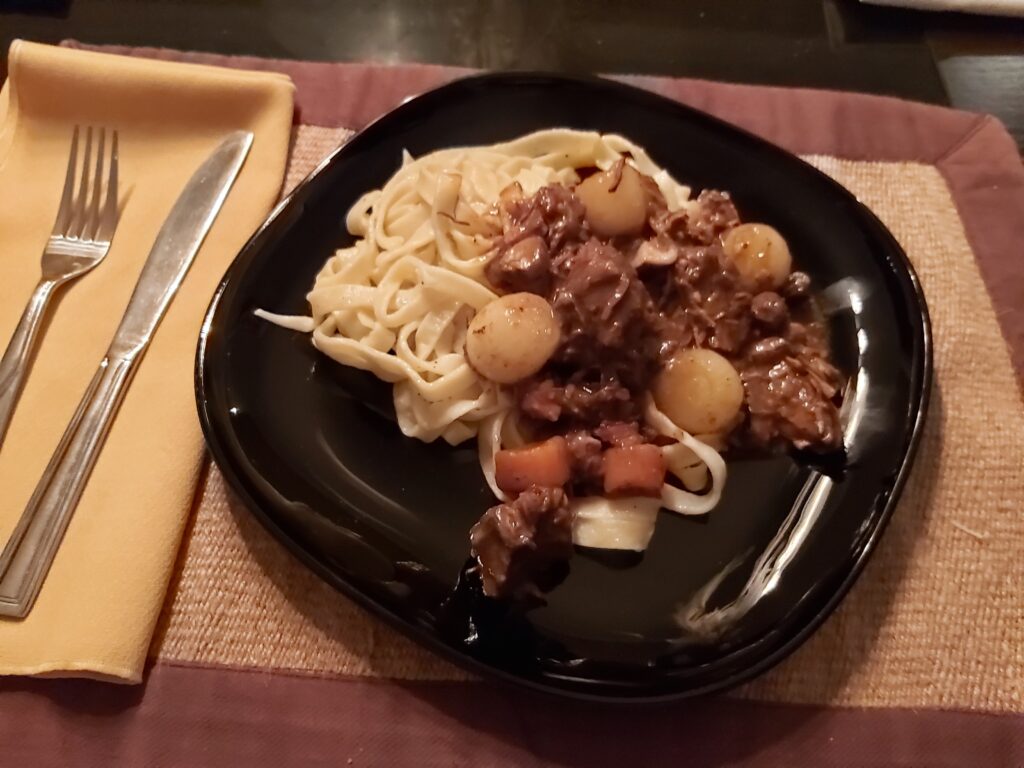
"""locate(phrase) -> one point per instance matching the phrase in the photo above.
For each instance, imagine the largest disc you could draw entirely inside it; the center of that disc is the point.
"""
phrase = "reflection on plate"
(313, 449)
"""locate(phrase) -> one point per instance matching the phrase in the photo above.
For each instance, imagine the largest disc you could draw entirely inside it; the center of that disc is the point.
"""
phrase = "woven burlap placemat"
(935, 620)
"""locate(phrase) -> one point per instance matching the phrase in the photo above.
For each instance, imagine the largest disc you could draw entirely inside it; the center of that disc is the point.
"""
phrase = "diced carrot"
(545, 464)
(636, 470)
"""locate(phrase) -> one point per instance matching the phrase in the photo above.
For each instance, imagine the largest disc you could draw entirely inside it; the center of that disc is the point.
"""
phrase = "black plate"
(312, 448)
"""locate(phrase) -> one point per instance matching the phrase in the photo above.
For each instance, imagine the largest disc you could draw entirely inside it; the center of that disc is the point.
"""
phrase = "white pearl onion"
(700, 391)
(512, 337)
(618, 210)
(759, 253)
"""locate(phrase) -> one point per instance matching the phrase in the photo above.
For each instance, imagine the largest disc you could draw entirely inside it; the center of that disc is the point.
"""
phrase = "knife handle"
(27, 557)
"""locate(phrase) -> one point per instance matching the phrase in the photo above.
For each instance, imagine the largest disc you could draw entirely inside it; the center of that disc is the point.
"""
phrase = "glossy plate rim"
(921, 384)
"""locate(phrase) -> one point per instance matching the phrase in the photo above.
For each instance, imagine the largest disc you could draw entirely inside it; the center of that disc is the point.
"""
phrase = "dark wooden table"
(971, 62)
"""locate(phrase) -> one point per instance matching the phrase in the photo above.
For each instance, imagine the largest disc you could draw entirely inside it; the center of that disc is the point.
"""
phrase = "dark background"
(972, 62)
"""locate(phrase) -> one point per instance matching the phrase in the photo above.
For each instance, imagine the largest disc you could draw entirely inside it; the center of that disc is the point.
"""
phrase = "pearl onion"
(618, 211)
(759, 253)
(700, 391)
(512, 337)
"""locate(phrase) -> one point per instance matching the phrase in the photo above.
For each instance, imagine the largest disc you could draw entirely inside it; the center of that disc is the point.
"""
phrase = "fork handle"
(28, 554)
(15, 362)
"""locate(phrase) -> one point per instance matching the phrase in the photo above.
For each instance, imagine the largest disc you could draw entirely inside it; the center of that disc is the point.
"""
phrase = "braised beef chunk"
(705, 306)
(521, 266)
(554, 213)
(671, 225)
(577, 400)
(609, 341)
(785, 401)
(514, 542)
(716, 214)
(600, 300)
(592, 402)
(700, 263)
(541, 399)
(619, 434)
(790, 391)
(711, 215)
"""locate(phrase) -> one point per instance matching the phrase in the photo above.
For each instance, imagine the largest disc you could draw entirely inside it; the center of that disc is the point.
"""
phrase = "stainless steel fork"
(80, 239)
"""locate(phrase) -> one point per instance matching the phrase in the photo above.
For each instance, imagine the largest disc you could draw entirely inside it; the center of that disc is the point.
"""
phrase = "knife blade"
(28, 554)
(178, 242)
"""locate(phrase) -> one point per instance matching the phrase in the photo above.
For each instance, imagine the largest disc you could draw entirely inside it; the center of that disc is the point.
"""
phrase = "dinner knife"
(28, 554)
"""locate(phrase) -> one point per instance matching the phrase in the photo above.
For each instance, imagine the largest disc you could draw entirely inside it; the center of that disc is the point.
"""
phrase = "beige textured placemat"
(937, 618)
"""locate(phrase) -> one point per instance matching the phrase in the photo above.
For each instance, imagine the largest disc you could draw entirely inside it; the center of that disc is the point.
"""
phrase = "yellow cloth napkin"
(98, 607)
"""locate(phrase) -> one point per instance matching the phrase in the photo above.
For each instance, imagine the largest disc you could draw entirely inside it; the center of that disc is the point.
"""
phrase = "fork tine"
(108, 221)
(60, 226)
(92, 221)
(77, 224)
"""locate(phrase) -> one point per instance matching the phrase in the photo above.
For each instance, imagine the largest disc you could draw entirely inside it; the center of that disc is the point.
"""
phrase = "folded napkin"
(991, 7)
(98, 607)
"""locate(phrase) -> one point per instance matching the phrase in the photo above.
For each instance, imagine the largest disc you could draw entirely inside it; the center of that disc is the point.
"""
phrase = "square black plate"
(313, 450)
